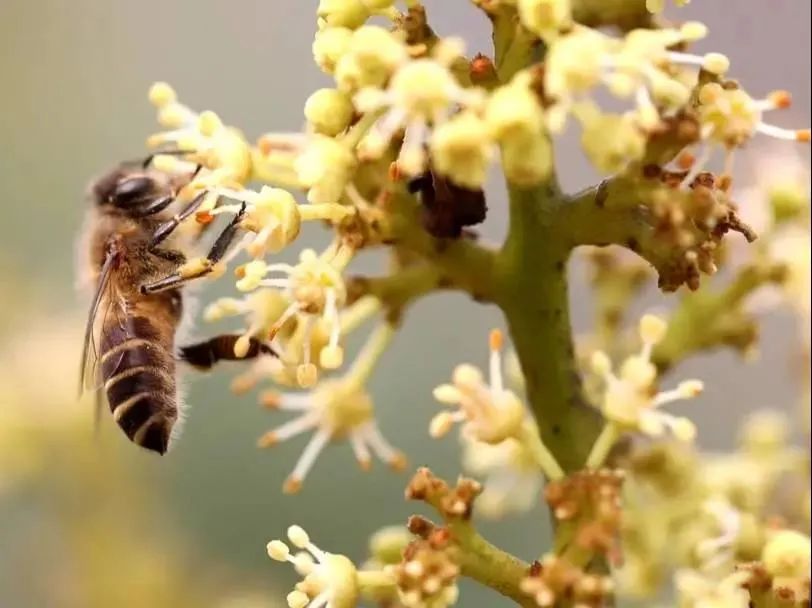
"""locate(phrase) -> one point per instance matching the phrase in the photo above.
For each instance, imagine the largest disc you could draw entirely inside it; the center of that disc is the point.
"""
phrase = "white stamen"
(359, 448)
(289, 312)
(777, 132)
(297, 426)
(309, 455)
(668, 397)
(495, 371)
(295, 401)
(379, 445)
(320, 601)
(685, 58)
(696, 168)
(281, 283)
(307, 325)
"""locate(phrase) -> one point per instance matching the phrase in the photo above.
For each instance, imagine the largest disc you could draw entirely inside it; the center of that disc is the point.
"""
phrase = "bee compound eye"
(132, 189)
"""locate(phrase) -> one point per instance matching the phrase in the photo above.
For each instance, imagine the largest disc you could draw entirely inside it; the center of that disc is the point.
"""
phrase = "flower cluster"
(395, 152)
(222, 151)
(336, 409)
(329, 580)
(427, 576)
(554, 580)
(630, 399)
(489, 413)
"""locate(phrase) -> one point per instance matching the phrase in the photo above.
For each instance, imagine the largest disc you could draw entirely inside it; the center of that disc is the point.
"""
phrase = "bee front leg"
(163, 231)
(198, 267)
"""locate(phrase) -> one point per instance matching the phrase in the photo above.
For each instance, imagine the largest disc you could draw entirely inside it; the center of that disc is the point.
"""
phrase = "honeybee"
(135, 257)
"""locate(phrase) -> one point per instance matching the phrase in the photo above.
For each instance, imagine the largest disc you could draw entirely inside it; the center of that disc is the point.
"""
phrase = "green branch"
(477, 558)
(533, 295)
(488, 564)
(625, 14)
(720, 315)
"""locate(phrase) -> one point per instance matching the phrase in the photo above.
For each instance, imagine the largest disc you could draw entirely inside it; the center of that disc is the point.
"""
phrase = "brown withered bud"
(452, 503)
(554, 580)
(693, 219)
(428, 572)
(415, 25)
(591, 500)
(447, 207)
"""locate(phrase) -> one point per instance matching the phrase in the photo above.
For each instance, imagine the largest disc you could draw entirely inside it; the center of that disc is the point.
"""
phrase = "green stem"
(366, 360)
(376, 579)
(356, 133)
(395, 291)
(544, 458)
(361, 310)
(533, 295)
(488, 564)
(625, 14)
(459, 263)
(603, 445)
(718, 312)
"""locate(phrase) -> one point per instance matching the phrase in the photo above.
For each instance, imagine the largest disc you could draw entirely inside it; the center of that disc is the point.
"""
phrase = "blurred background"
(87, 522)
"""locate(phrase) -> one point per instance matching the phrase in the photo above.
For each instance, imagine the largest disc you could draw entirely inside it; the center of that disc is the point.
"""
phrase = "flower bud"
(328, 111)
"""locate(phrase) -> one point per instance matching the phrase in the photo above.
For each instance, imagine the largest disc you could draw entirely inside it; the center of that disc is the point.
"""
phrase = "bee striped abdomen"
(138, 369)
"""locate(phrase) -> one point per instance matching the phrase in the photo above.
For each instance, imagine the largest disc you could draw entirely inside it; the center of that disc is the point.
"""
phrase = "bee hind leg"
(204, 355)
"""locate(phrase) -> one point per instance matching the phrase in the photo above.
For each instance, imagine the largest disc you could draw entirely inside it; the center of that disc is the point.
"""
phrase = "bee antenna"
(166, 152)
(145, 162)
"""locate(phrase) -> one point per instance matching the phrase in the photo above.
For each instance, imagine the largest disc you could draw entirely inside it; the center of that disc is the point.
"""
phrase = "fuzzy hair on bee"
(136, 258)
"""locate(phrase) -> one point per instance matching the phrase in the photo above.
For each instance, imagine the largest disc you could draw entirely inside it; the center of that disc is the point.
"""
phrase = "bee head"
(125, 188)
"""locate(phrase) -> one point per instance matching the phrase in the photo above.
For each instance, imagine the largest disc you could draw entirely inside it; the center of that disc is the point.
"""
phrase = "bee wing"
(105, 292)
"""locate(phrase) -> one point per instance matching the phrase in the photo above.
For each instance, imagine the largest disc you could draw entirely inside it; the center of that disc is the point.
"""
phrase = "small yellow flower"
(261, 308)
(787, 555)
(696, 590)
(298, 340)
(545, 18)
(274, 217)
(329, 46)
(630, 399)
(222, 150)
(658, 6)
(325, 167)
(334, 410)
(610, 141)
(421, 94)
(527, 160)
(489, 412)
(349, 13)
(315, 289)
(328, 111)
(462, 150)
(513, 111)
(371, 57)
(329, 580)
(629, 67)
(575, 62)
(731, 117)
